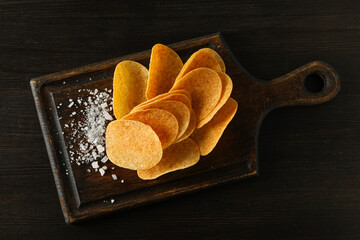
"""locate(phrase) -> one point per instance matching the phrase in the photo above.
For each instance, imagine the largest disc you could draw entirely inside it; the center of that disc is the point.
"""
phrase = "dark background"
(309, 183)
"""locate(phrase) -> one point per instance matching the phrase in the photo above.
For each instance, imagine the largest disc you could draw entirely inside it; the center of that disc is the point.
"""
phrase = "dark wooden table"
(309, 183)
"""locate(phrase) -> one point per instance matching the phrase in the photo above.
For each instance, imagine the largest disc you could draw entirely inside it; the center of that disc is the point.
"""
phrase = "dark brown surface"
(83, 195)
(308, 156)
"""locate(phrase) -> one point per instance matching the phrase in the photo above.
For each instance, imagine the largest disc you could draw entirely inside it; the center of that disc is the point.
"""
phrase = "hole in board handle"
(314, 83)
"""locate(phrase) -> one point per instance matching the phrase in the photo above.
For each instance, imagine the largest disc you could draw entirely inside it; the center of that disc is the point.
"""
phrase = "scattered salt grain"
(122, 181)
(114, 176)
(71, 104)
(112, 200)
(88, 170)
(108, 116)
(95, 164)
(104, 159)
(100, 148)
(102, 171)
(104, 167)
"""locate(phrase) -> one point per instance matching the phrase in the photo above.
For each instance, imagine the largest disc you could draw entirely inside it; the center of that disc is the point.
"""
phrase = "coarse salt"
(114, 176)
(95, 164)
(104, 159)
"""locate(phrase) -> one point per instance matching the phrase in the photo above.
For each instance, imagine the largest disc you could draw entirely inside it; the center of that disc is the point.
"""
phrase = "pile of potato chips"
(170, 115)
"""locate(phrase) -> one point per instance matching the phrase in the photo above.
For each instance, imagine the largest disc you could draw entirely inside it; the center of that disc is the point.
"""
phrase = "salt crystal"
(70, 100)
(102, 171)
(100, 148)
(108, 116)
(73, 113)
(94, 154)
(112, 200)
(71, 104)
(104, 105)
(88, 170)
(104, 159)
(66, 125)
(64, 82)
(122, 181)
(104, 167)
(114, 176)
(79, 101)
(95, 164)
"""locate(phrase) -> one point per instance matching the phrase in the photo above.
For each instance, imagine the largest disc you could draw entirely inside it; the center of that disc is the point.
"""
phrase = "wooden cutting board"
(83, 195)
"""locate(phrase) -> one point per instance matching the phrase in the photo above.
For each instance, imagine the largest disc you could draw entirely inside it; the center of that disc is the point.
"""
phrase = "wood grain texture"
(308, 156)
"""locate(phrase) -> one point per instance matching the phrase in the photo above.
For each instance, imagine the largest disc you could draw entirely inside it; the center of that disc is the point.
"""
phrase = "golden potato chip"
(197, 60)
(227, 86)
(164, 67)
(208, 136)
(167, 96)
(130, 81)
(217, 56)
(191, 127)
(178, 156)
(133, 145)
(182, 91)
(162, 122)
(178, 109)
(204, 86)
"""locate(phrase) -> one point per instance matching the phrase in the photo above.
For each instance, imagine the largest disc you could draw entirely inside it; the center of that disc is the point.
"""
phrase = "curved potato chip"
(130, 81)
(164, 67)
(162, 122)
(178, 109)
(167, 96)
(208, 136)
(178, 156)
(191, 127)
(217, 56)
(132, 144)
(182, 91)
(227, 86)
(197, 60)
(204, 86)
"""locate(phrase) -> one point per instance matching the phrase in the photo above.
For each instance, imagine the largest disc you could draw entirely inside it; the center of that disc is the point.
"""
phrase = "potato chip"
(130, 81)
(178, 109)
(164, 67)
(208, 136)
(191, 127)
(227, 86)
(217, 56)
(182, 91)
(168, 96)
(204, 86)
(197, 60)
(133, 145)
(176, 157)
(162, 122)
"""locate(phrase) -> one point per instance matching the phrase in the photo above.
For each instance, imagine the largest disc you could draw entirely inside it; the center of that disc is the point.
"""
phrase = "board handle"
(313, 83)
